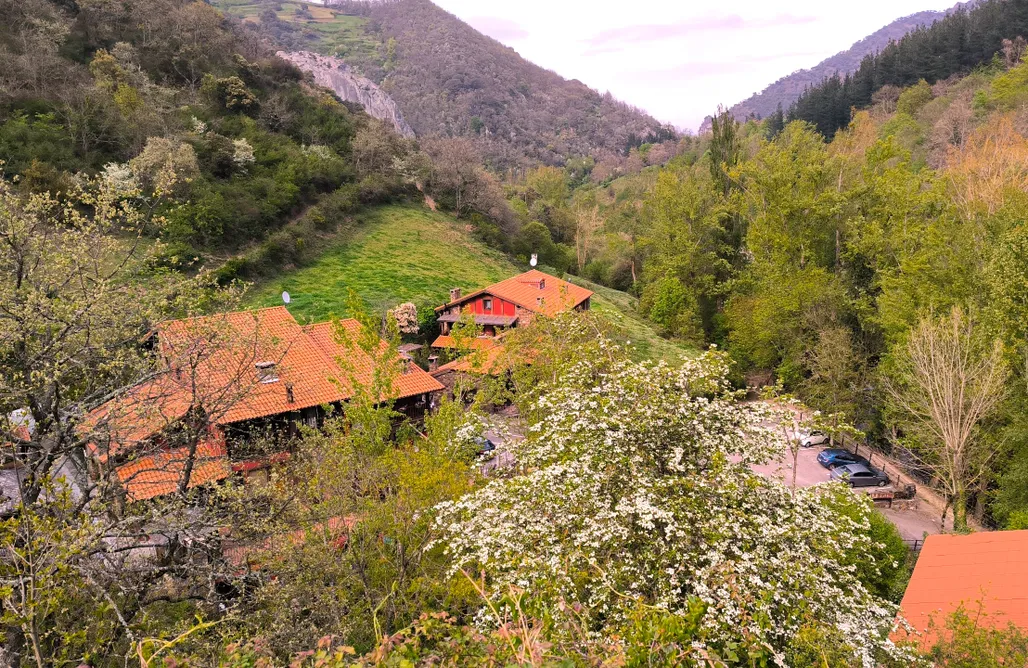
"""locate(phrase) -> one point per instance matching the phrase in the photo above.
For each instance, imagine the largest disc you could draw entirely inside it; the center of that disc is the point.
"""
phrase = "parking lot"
(913, 524)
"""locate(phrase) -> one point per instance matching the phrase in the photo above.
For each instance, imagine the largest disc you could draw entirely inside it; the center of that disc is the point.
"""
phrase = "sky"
(679, 59)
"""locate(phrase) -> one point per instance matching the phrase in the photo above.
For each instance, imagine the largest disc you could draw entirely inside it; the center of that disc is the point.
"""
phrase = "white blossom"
(637, 482)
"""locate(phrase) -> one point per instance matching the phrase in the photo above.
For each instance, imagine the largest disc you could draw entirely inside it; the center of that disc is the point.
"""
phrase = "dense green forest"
(819, 263)
(954, 45)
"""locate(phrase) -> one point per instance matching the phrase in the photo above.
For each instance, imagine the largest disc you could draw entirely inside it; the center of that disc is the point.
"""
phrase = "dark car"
(858, 475)
(833, 457)
(485, 446)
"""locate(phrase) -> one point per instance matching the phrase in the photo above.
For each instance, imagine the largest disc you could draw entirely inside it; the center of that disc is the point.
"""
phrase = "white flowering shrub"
(636, 486)
(406, 315)
(243, 155)
(119, 178)
(318, 152)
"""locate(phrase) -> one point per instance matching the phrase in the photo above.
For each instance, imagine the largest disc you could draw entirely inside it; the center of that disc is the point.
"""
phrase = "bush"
(669, 304)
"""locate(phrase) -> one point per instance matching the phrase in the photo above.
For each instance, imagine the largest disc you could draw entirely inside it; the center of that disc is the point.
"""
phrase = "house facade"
(509, 303)
(229, 393)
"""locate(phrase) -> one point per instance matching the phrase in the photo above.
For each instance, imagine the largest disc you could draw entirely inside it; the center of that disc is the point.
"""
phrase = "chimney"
(538, 301)
(454, 294)
(289, 393)
(266, 372)
(433, 362)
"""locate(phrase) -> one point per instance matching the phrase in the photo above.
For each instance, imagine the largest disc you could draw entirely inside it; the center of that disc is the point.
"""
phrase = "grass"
(408, 253)
(329, 31)
(401, 253)
(622, 309)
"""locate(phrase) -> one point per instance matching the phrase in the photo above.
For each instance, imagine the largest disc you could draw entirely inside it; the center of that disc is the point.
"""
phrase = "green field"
(408, 253)
(622, 309)
(399, 254)
(327, 31)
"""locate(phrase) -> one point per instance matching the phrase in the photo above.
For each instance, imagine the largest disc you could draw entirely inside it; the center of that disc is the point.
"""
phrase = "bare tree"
(948, 380)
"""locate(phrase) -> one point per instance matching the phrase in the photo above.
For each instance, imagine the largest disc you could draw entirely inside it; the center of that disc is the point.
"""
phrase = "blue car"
(838, 457)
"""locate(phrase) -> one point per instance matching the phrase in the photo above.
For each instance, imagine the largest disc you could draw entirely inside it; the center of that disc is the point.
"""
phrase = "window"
(487, 304)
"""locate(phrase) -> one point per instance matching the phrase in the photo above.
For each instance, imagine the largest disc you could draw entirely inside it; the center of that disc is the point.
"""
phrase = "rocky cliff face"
(348, 85)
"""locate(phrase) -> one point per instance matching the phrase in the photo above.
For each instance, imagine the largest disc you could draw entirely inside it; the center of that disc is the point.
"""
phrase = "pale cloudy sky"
(679, 59)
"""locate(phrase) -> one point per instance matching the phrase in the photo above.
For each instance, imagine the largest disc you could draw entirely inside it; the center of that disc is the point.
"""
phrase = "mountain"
(448, 79)
(788, 89)
(333, 73)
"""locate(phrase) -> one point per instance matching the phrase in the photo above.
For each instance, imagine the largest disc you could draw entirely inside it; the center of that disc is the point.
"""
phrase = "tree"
(79, 292)
(635, 488)
(947, 381)
(725, 149)
(836, 373)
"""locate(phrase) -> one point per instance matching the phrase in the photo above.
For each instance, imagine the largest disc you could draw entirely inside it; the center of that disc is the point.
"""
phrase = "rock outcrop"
(333, 73)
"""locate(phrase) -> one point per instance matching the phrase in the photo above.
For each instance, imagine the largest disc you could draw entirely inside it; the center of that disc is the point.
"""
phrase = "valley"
(611, 446)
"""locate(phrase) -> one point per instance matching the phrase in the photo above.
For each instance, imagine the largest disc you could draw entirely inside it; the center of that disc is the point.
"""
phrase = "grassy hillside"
(302, 25)
(408, 253)
(400, 254)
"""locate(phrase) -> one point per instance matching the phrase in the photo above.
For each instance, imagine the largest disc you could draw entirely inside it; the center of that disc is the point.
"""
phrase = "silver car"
(858, 475)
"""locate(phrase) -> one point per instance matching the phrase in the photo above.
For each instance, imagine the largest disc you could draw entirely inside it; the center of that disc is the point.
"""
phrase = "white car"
(815, 438)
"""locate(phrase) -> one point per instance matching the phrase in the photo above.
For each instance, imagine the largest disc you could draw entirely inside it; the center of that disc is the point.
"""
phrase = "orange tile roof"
(211, 362)
(478, 343)
(356, 364)
(557, 295)
(491, 360)
(159, 473)
(990, 567)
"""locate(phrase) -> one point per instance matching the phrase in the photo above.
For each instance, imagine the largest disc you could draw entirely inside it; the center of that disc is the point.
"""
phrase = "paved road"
(912, 524)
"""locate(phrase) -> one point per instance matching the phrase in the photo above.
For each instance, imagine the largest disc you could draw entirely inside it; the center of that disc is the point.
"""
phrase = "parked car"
(833, 457)
(859, 475)
(815, 438)
(485, 446)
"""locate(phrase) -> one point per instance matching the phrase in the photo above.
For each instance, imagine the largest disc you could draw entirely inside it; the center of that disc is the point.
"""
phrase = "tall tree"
(947, 381)
(725, 148)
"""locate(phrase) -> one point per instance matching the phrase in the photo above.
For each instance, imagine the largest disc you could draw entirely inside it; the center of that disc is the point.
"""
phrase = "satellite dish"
(285, 297)
(535, 260)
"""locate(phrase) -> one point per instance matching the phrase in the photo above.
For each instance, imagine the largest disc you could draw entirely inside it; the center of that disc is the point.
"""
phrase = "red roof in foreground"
(211, 362)
(525, 291)
(988, 567)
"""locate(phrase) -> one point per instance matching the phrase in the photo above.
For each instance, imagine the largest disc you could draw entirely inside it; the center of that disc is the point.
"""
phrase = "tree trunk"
(960, 509)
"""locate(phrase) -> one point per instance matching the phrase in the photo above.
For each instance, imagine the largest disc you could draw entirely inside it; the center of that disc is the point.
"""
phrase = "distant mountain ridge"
(449, 80)
(788, 89)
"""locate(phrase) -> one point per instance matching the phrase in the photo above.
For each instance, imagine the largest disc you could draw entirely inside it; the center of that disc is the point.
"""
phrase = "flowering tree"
(636, 487)
(406, 315)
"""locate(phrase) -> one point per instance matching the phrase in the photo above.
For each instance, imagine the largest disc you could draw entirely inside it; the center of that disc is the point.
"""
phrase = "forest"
(158, 160)
(952, 46)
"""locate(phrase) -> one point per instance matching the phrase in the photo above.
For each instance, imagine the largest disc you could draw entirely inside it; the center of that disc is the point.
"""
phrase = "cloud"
(701, 69)
(499, 29)
(648, 33)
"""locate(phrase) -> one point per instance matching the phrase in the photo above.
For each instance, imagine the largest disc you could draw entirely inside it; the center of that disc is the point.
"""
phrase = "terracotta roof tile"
(410, 380)
(478, 343)
(990, 567)
(159, 473)
(212, 362)
(524, 290)
(491, 360)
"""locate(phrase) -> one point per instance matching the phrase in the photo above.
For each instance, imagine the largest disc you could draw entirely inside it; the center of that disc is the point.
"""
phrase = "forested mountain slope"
(784, 92)
(449, 79)
(955, 45)
(840, 268)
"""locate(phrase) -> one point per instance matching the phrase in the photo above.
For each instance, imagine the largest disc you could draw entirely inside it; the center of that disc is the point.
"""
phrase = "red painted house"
(511, 302)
